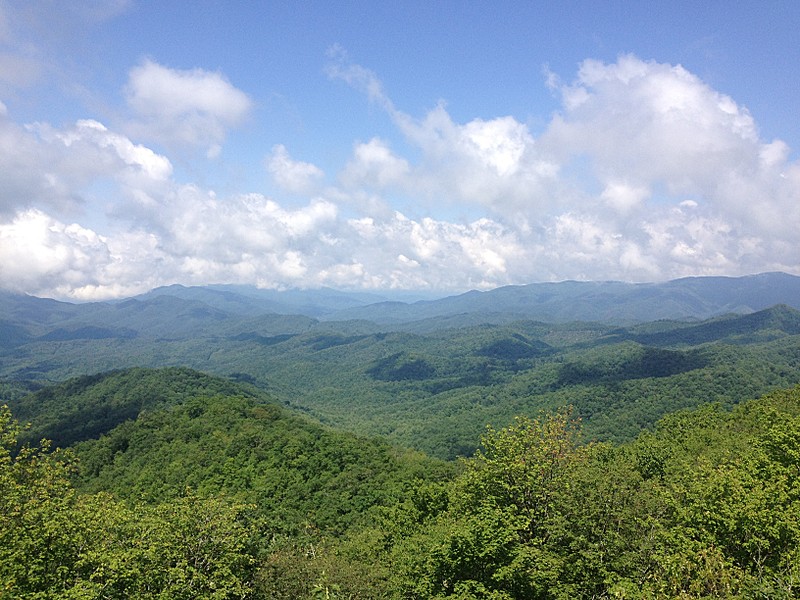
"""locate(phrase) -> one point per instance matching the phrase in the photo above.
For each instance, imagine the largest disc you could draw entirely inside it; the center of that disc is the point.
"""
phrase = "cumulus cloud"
(294, 176)
(643, 173)
(623, 197)
(492, 163)
(24, 176)
(192, 107)
(109, 151)
(38, 252)
(607, 182)
(660, 128)
(53, 169)
(399, 252)
(375, 166)
(45, 256)
(648, 123)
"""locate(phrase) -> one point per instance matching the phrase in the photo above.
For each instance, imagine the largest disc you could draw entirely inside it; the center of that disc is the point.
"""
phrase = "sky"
(434, 147)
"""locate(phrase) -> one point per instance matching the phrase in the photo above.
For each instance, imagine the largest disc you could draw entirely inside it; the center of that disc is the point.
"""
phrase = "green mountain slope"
(152, 434)
(706, 506)
(759, 326)
(87, 407)
(220, 495)
(435, 391)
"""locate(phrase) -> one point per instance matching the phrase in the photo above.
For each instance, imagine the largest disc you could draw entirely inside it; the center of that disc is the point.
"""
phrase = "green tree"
(56, 543)
(496, 538)
(39, 533)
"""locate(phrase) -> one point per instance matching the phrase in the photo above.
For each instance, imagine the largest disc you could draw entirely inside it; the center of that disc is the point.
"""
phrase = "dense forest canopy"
(190, 444)
(431, 385)
(231, 496)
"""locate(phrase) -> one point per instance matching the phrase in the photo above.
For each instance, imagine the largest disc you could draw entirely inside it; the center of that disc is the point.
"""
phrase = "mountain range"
(177, 310)
(606, 302)
(431, 374)
(320, 430)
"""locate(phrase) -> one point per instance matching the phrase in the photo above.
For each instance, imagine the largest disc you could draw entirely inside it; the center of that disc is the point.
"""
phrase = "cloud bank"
(643, 173)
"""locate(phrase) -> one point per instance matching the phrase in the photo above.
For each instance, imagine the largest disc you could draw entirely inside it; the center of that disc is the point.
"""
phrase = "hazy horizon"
(381, 295)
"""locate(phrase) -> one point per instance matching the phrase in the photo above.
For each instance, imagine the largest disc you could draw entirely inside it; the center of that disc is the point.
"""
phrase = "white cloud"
(598, 188)
(192, 107)
(374, 166)
(67, 172)
(645, 173)
(138, 159)
(495, 163)
(38, 252)
(650, 135)
(291, 175)
(341, 67)
(499, 144)
(404, 253)
(25, 176)
(650, 122)
(492, 163)
(624, 197)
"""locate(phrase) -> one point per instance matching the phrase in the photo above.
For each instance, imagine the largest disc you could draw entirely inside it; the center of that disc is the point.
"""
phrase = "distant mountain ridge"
(607, 302)
(249, 300)
(774, 321)
(173, 310)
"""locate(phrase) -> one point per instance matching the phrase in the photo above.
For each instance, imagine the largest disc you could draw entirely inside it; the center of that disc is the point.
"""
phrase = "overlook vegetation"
(231, 496)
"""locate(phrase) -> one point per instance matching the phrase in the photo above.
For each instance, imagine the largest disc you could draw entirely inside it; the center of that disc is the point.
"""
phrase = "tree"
(39, 534)
(56, 543)
(496, 538)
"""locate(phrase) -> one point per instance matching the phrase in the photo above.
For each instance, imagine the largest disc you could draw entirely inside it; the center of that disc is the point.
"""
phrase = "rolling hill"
(431, 384)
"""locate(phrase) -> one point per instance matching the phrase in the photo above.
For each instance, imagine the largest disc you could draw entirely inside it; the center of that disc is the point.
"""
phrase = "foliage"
(494, 538)
(56, 543)
(298, 474)
(706, 506)
(85, 407)
(399, 367)
(431, 385)
(211, 494)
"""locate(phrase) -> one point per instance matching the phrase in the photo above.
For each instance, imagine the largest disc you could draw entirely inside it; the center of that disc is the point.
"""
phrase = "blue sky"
(432, 146)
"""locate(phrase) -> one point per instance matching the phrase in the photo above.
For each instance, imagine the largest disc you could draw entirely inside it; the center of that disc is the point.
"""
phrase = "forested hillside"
(203, 447)
(705, 506)
(431, 388)
(86, 407)
(212, 490)
(151, 434)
